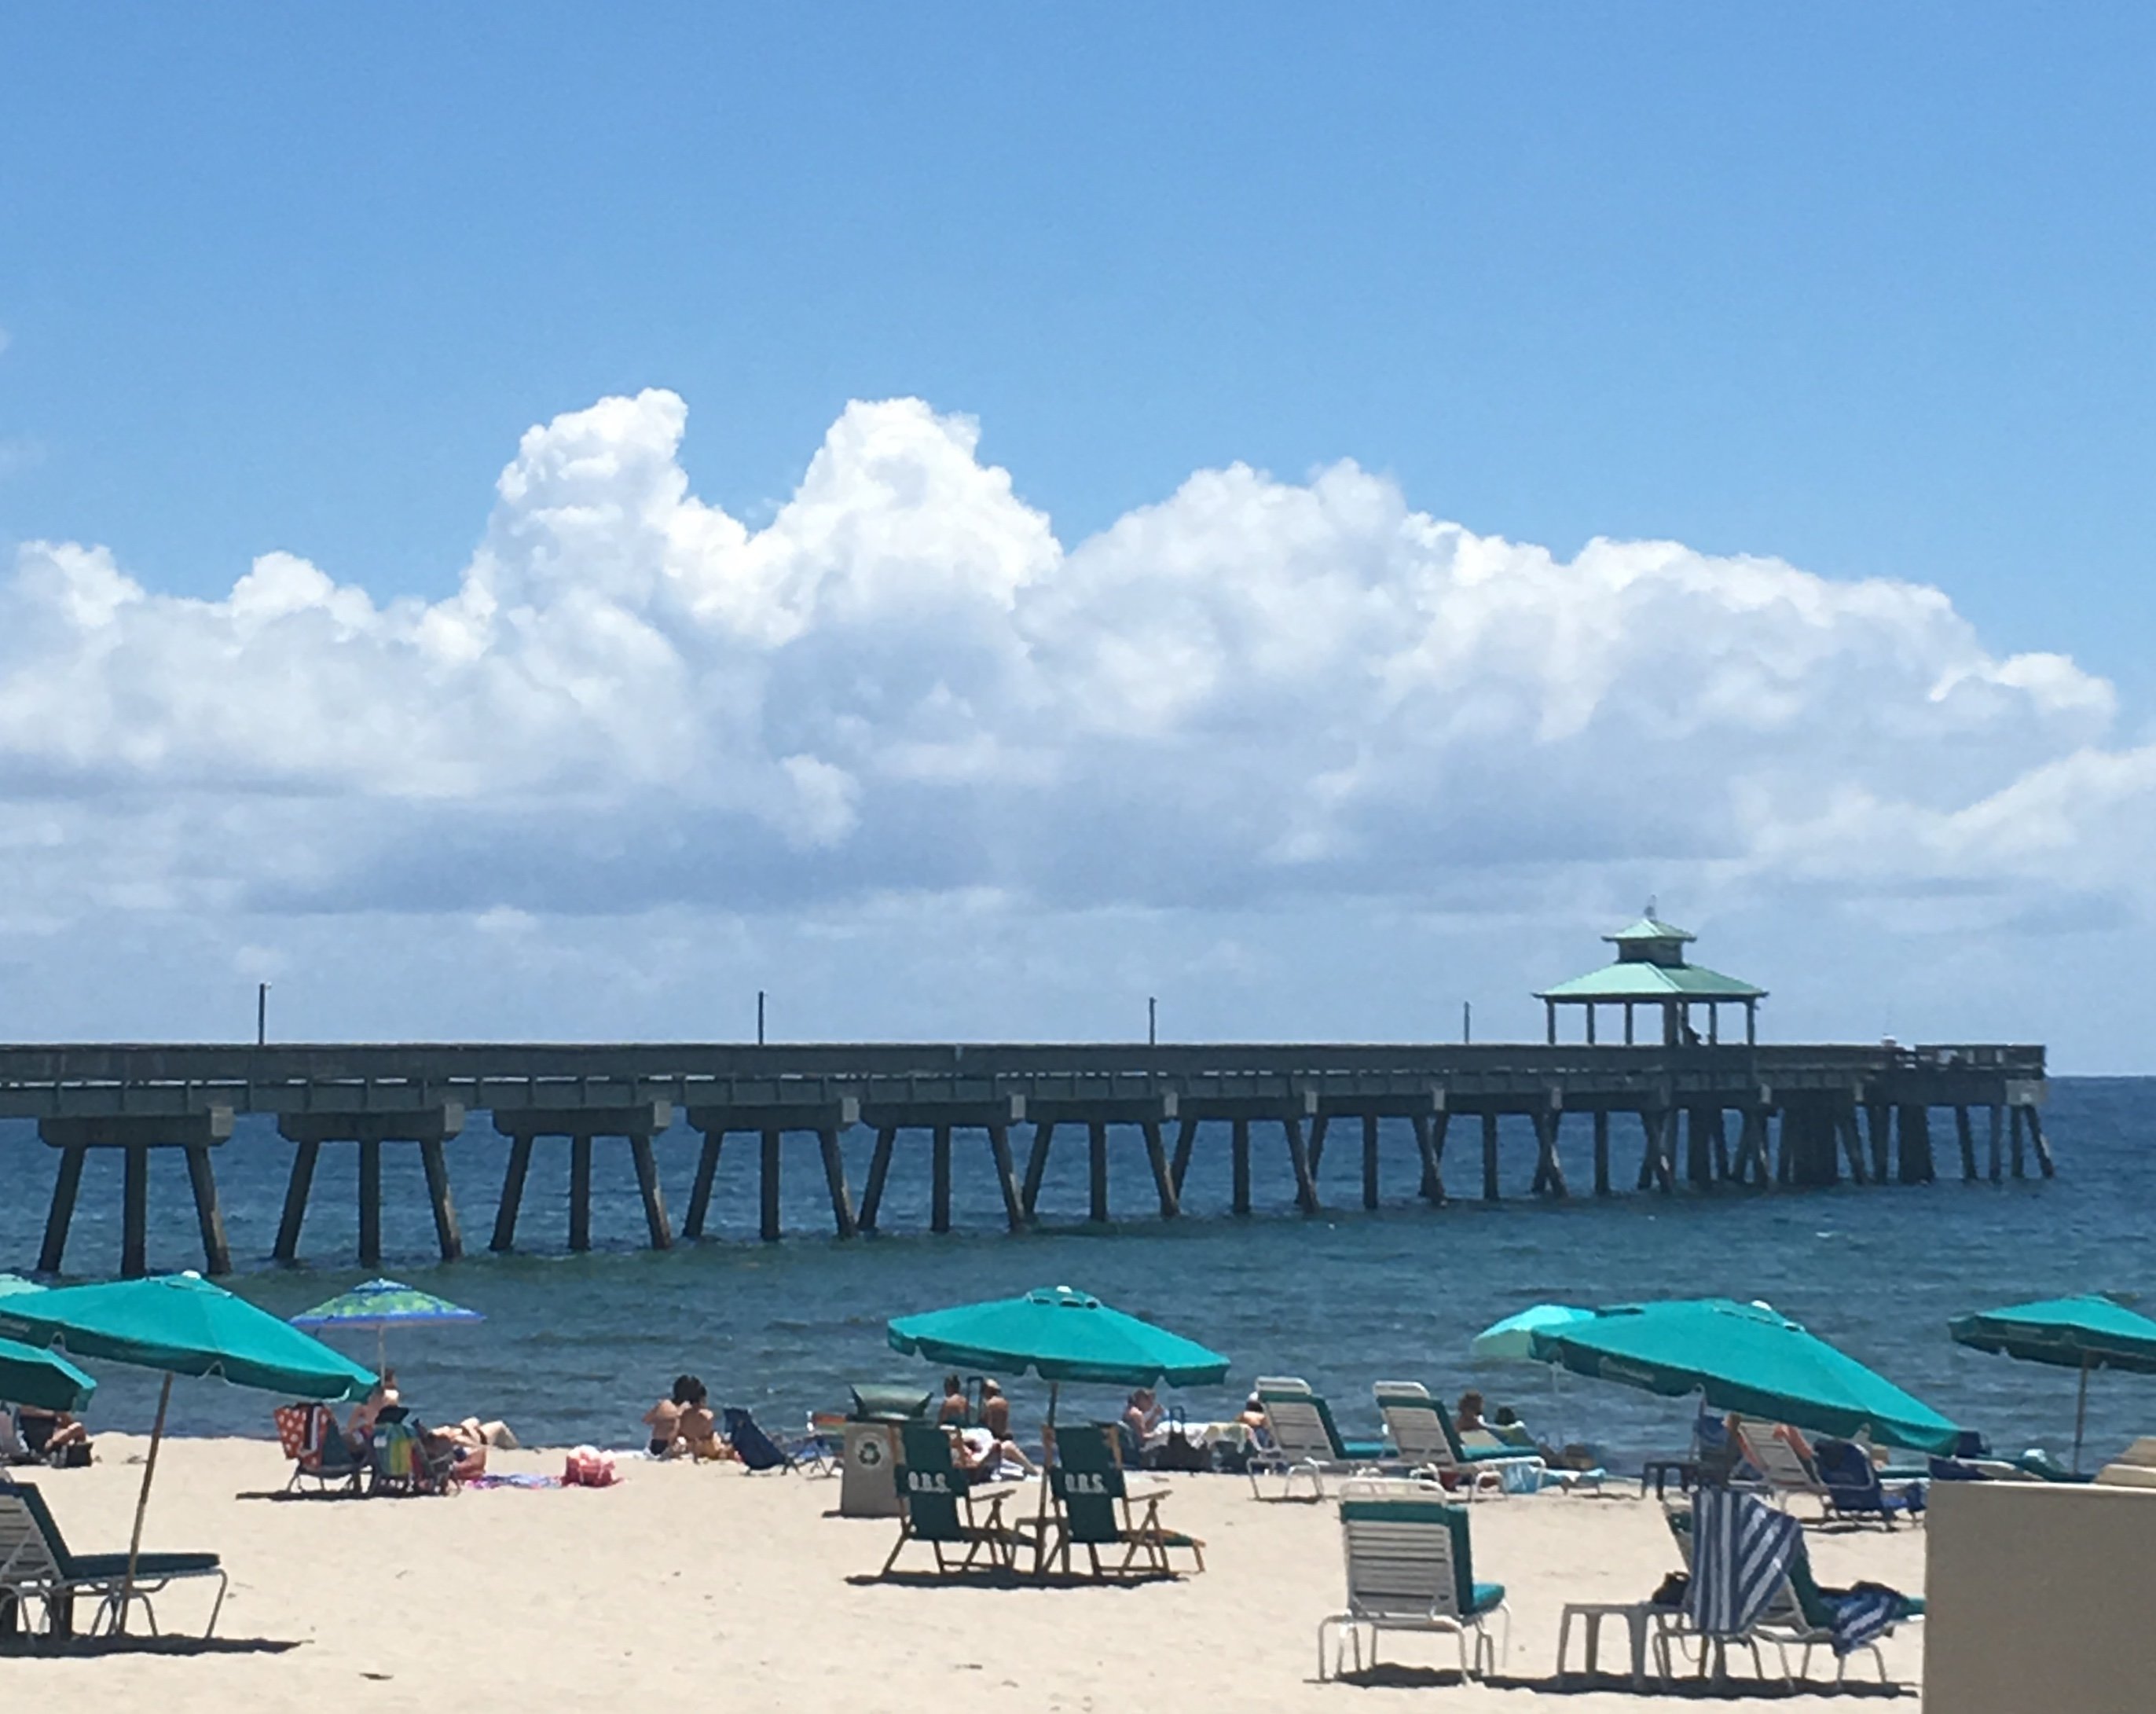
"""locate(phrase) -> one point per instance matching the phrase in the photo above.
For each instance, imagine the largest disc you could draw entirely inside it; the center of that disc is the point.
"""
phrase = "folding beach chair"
(937, 1505)
(319, 1452)
(1410, 1568)
(1779, 1453)
(36, 1565)
(1094, 1509)
(400, 1462)
(755, 1449)
(1303, 1441)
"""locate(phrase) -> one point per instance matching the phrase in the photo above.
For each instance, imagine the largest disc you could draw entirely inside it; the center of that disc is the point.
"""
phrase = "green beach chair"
(1301, 1440)
(936, 1506)
(1094, 1509)
(1410, 1567)
(36, 1564)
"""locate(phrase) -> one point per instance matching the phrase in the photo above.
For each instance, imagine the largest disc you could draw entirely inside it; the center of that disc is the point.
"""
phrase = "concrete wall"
(2040, 1596)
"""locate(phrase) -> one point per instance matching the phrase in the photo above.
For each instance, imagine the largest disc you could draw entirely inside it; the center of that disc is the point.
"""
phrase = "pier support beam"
(1852, 1144)
(1699, 1158)
(999, 1150)
(2036, 1140)
(1998, 1125)
(1876, 1121)
(1913, 1144)
(1370, 1158)
(880, 1172)
(425, 1128)
(1549, 1169)
(768, 1223)
(1965, 1134)
(939, 1178)
(1036, 1165)
(1319, 1129)
(524, 1125)
(1429, 1130)
(136, 1136)
(1186, 1140)
(707, 1179)
(1240, 1165)
(1306, 1183)
(1096, 1173)
(1164, 1181)
(1490, 1187)
(1601, 1151)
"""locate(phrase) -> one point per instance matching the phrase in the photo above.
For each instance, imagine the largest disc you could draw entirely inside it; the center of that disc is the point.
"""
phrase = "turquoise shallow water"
(575, 1348)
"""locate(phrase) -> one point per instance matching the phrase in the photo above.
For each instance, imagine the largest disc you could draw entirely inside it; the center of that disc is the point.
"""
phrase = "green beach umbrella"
(1060, 1334)
(1744, 1357)
(2083, 1333)
(10, 1284)
(377, 1306)
(44, 1379)
(182, 1325)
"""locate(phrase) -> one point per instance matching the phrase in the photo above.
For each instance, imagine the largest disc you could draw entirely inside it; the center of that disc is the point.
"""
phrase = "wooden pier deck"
(1699, 1116)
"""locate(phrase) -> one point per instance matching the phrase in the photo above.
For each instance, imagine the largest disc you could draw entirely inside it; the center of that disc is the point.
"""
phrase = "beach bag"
(589, 1468)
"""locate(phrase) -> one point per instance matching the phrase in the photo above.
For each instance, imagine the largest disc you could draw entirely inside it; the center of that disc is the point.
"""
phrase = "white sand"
(688, 1583)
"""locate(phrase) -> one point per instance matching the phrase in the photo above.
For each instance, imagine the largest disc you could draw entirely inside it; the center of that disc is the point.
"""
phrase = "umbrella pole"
(1040, 1512)
(2081, 1417)
(142, 1503)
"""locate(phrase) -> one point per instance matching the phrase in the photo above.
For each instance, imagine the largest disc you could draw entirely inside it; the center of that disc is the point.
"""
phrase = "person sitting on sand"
(954, 1410)
(664, 1419)
(700, 1428)
(52, 1435)
(1467, 1416)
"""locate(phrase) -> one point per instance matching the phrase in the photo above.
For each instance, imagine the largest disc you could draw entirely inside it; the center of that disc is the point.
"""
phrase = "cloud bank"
(1255, 695)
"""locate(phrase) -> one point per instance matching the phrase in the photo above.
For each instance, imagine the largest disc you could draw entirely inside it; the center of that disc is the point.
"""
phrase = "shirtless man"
(954, 1410)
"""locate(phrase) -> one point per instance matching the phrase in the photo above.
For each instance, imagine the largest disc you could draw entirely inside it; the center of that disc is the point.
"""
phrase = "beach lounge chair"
(320, 1455)
(1754, 1584)
(937, 1505)
(1785, 1462)
(1425, 1438)
(755, 1449)
(36, 1564)
(1410, 1568)
(1094, 1509)
(1303, 1441)
(1854, 1490)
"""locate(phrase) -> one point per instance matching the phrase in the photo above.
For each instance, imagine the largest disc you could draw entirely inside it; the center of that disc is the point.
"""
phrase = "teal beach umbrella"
(42, 1378)
(1060, 1334)
(181, 1323)
(1744, 1357)
(2083, 1333)
(377, 1306)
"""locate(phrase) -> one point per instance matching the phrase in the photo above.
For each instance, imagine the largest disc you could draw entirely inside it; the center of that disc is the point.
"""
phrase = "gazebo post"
(1628, 1023)
(1590, 1023)
(1549, 1009)
(1751, 1023)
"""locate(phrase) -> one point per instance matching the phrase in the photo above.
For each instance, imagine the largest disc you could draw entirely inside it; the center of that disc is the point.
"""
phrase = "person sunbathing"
(466, 1443)
(699, 1429)
(664, 1420)
(52, 1435)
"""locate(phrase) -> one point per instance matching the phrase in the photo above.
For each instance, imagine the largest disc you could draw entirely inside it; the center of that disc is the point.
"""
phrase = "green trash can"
(868, 1476)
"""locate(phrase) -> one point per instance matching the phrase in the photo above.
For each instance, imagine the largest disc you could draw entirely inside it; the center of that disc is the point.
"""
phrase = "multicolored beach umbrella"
(377, 1306)
(1747, 1358)
(2083, 1333)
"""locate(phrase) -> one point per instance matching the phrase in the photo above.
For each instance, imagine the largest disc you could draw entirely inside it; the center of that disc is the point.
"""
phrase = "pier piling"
(1239, 1164)
(1164, 1183)
(1602, 1151)
(136, 1136)
(1370, 1158)
(523, 1126)
(1490, 1187)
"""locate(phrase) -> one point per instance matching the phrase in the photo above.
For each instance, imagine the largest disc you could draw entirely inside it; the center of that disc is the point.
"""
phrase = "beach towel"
(1866, 1612)
(1741, 1549)
(483, 1482)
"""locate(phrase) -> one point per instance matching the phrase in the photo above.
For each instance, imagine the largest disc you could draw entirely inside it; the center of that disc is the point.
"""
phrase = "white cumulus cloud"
(904, 685)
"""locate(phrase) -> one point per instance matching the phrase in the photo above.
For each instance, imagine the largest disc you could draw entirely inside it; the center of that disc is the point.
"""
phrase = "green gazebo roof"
(1631, 981)
(1650, 927)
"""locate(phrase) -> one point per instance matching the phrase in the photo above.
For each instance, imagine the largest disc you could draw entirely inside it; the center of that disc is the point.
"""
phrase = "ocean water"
(575, 1348)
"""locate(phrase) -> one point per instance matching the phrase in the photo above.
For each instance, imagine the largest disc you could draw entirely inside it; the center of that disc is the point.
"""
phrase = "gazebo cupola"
(1651, 971)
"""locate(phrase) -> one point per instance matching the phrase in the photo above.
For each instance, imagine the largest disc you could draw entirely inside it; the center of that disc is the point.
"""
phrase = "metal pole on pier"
(759, 1017)
(1153, 1022)
(1466, 1022)
(261, 1013)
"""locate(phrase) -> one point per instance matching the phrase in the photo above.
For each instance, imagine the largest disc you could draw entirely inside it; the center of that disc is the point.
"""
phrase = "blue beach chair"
(755, 1449)
(1853, 1488)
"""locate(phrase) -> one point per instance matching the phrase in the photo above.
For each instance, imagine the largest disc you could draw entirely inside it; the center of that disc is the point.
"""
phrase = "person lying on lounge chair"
(53, 1436)
(980, 1452)
(467, 1443)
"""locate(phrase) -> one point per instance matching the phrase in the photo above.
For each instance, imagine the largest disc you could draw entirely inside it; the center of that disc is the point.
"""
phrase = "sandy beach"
(689, 1582)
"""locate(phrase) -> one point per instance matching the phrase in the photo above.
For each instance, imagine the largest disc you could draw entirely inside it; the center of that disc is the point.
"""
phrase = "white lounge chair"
(1410, 1568)
(1302, 1441)
(1426, 1440)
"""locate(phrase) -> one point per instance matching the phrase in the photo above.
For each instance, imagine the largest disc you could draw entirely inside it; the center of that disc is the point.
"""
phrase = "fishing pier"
(1704, 1114)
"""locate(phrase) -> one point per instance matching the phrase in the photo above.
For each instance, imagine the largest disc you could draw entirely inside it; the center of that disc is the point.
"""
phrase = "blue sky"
(1868, 292)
